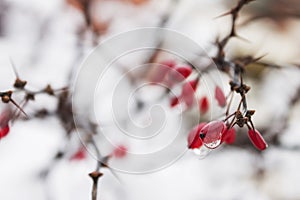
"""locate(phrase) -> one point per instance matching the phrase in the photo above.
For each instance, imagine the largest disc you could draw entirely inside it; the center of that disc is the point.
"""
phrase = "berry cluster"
(214, 133)
(172, 74)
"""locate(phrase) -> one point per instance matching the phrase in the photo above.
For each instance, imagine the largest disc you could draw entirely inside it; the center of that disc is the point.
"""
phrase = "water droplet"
(213, 134)
(202, 152)
(214, 144)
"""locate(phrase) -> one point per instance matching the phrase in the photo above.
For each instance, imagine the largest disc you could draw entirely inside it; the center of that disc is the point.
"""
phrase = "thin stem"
(229, 104)
(228, 117)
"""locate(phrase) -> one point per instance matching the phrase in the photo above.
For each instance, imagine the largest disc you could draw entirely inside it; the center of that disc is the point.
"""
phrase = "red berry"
(185, 71)
(194, 140)
(203, 105)
(120, 151)
(188, 90)
(188, 100)
(180, 73)
(79, 155)
(213, 134)
(229, 136)
(168, 63)
(193, 84)
(5, 117)
(4, 131)
(168, 83)
(257, 139)
(162, 71)
(220, 97)
(174, 101)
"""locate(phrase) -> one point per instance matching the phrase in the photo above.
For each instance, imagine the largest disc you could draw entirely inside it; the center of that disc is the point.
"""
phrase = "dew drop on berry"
(213, 144)
(213, 134)
(202, 152)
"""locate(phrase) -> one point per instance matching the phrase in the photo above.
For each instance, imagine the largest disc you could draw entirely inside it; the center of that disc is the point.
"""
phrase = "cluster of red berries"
(214, 133)
(171, 74)
(210, 134)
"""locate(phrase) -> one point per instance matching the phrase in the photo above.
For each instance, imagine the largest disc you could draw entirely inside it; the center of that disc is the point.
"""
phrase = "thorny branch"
(236, 69)
(64, 113)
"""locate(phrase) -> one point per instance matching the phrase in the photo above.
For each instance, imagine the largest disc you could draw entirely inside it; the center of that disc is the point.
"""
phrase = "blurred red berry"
(179, 73)
(257, 139)
(188, 100)
(194, 140)
(220, 97)
(162, 71)
(193, 84)
(213, 133)
(5, 117)
(188, 92)
(120, 151)
(174, 101)
(79, 155)
(229, 136)
(4, 131)
(203, 105)
(168, 63)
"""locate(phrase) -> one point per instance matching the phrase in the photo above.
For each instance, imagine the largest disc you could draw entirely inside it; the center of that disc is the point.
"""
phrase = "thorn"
(16, 114)
(115, 175)
(14, 67)
(260, 57)
(242, 38)
(224, 14)
(271, 65)
(104, 164)
(20, 84)
(13, 102)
